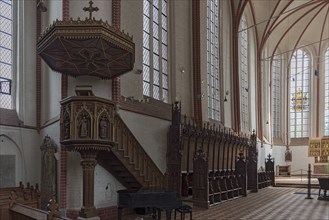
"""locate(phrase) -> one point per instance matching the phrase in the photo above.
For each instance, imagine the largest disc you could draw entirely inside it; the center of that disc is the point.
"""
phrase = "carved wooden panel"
(87, 118)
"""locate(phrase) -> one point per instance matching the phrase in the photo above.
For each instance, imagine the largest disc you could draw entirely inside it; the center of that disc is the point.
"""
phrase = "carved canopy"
(87, 47)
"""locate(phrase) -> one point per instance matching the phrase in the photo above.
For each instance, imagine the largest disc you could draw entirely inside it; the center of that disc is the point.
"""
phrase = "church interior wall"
(105, 185)
(24, 144)
(104, 12)
(227, 61)
(105, 188)
(51, 95)
(74, 181)
(300, 159)
(25, 68)
(263, 151)
(151, 133)
(180, 51)
(253, 79)
(132, 82)
(100, 87)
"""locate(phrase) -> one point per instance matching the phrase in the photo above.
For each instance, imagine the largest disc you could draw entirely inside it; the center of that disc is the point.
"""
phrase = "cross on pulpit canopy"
(91, 9)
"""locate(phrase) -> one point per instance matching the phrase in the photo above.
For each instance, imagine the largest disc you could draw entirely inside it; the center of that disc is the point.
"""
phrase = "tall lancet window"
(326, 93)
(155, 47)
(6, 53)
(276, 96)
(213, 82)
(299, 94)
(244, 76)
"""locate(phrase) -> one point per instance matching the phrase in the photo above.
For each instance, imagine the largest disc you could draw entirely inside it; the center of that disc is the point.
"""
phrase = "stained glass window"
(299, 94)
(276, 95)
(6, 53)
(213, 83)
(326, 94)
(244, 69)
(155, 49)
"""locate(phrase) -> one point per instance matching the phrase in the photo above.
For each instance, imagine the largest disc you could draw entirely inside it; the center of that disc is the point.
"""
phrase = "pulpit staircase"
(128, 162)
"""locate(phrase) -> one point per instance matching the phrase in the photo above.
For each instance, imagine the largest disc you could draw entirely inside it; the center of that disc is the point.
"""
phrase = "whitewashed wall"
(24, 143)
(151, 133)
(25, 68)
(300, 159)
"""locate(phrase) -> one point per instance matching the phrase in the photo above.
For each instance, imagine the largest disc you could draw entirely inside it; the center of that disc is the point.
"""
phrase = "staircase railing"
(133, 155)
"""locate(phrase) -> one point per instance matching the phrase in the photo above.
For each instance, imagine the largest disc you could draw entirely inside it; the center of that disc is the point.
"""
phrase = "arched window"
(244, 76)
(155, 46)
(276, 96)
(326, 93)
(6, 53)
(299, 94)
(213, 83)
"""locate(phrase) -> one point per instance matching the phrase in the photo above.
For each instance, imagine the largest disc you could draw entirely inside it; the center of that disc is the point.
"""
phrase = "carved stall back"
(200, 179)
(29, 196)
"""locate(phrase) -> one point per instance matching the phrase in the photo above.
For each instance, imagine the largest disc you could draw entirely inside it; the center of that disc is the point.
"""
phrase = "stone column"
(88, 163)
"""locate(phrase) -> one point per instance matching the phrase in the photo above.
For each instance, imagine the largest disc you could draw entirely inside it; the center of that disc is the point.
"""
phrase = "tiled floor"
(275, 203)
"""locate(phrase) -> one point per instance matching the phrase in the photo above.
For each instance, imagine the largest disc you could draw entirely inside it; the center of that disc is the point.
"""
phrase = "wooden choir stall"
(213, 164)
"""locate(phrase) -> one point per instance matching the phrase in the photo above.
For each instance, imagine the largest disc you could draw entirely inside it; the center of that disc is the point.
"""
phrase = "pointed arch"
(300, 94)
(244, 73)
(213, 73)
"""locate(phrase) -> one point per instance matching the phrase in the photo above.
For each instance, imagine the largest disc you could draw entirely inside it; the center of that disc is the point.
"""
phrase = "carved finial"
(90, 9)
(52, 207)
(13, 196)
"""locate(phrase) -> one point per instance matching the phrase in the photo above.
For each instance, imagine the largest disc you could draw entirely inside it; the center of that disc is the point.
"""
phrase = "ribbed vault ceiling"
(284, 25)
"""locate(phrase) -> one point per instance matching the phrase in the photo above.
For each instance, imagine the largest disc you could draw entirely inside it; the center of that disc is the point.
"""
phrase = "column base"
(88, 213)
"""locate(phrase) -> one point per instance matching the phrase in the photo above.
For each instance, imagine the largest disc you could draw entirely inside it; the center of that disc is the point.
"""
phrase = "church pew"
(18, 211)
(28, 196)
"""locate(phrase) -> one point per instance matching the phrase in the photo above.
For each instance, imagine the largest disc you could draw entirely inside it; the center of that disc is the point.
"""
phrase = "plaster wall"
(74, 181)
(24, 143)
(50, 80)
(151, 133)
(180, 54)
(132, 22)
(25, 66)
(227, 62)
(105, 185)
(300, 159)
(104, 12)
(263, 152)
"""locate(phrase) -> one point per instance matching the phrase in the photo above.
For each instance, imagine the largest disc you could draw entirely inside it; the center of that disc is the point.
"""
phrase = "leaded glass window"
(155, 49)
(326, 93)
(6, 53)
(244, 77)
(299, 94)
(276, 96)
(213, 83)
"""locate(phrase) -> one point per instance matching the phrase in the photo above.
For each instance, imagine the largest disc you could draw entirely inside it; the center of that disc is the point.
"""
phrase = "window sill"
(9, 117)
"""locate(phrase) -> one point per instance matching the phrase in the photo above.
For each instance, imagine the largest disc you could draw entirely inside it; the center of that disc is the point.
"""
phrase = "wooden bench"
(323, 185)
(28, 196)
(19, 211)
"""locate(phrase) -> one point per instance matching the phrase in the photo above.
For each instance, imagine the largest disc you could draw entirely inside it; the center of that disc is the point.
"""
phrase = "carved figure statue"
(83, 124)
(66, 129)
(103, 124)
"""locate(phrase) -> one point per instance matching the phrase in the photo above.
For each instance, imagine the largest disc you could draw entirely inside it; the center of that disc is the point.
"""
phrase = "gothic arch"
(9, 147)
